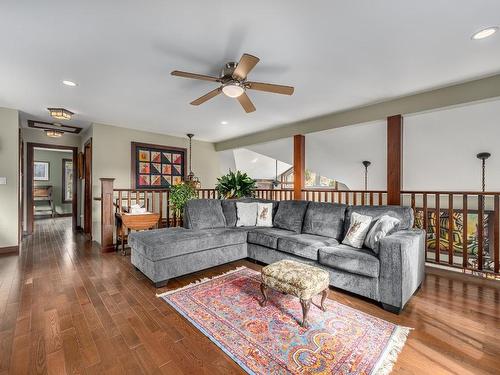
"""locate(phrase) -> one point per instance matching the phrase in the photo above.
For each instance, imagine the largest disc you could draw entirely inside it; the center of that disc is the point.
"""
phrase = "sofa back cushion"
(229, 208)
(325, 219)
(290, 215)
(403, 214)
(204, 214)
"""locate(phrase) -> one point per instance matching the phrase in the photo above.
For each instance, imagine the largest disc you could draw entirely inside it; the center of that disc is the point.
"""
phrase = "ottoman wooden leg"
(324, 293)
(263, 289)
(306, 304)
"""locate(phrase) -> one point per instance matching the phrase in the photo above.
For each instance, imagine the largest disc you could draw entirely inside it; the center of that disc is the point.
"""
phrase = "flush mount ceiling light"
(224, 122)
(60, 113)
(54, 133)
(485, 33)
(69, 83)
(233, 89)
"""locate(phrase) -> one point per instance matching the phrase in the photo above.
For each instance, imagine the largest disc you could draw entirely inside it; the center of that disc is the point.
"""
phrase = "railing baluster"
(480, 231)
(371, 198)
(424, 221)
(413, 205)
(355, 198)
(464, 231)
(380, 202)
(496, 234)
(363, 198)
(450, 229)
(437, 226)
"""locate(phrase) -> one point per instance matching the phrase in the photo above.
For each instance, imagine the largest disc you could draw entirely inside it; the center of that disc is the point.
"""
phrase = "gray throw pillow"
(384, 226)
(290, 215)
(247, 214)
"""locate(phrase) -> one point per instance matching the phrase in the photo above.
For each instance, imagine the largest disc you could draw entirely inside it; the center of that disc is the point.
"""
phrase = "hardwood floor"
(67, 308)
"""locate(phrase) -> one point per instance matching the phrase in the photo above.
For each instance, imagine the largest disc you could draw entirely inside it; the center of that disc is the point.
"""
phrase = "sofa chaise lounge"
(308, 232)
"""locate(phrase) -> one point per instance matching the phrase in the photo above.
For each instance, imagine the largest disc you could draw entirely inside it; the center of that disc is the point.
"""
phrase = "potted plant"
(235, 185)
(179, 195)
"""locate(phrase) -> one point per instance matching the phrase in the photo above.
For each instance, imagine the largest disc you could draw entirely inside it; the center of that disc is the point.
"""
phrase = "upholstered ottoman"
(300, 280)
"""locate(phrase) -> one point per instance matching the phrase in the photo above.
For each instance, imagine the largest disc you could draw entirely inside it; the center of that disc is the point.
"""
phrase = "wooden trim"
(133, 166)
(107, 214)
(63, 189)
(29, 182)
(394, 158)
(299, 165)
(87, 188)
(70, 129)
(9, 250)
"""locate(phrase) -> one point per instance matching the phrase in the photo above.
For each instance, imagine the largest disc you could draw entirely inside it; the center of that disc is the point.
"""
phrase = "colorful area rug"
(269, 340)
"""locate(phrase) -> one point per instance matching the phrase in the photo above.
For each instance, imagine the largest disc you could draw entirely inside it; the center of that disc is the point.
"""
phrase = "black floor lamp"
(366, 163)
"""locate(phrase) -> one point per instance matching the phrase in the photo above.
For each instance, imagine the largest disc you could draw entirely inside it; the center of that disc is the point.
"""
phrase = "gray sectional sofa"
(308, 232)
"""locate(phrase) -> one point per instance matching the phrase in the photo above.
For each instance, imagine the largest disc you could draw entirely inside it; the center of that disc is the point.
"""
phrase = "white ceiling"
(337, 54)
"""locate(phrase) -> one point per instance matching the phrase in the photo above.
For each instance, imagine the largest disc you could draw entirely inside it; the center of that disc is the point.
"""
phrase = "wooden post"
(299, 165)
(394, 158)
(107, 214)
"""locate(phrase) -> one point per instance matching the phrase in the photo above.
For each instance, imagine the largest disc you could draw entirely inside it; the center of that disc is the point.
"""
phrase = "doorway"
(40, 188)
(87, 188)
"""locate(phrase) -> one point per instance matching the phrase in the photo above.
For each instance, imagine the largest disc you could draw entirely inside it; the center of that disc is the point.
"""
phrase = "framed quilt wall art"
(157, 166)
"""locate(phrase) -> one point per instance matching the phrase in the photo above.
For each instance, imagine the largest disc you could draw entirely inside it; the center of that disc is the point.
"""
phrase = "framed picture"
(157, 166)
(41, 171)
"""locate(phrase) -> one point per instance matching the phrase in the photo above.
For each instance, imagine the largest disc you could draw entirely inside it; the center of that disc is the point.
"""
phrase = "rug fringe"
(201, 281)
(394, 347)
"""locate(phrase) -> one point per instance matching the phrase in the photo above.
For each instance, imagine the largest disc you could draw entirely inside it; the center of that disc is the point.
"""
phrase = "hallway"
(67, 308)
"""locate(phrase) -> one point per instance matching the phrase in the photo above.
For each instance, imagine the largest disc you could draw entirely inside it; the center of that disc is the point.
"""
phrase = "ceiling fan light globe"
(233, 90)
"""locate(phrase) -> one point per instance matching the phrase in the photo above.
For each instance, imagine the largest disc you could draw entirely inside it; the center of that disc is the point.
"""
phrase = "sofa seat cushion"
(204, 214)
(267, 237)
(170, 242)
(346, 258)
(305, 245)
(325, 219)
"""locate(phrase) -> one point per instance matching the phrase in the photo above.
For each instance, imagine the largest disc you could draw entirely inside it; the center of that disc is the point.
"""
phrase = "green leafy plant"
(235, 185)
(179, 195)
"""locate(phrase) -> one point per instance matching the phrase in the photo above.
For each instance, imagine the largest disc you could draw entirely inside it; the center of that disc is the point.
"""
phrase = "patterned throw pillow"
(247, 214)
(264, 214)
(360, 224)
(382, 227)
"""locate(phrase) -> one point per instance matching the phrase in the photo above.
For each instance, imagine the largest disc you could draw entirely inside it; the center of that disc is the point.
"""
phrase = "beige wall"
(111, 158)
(9, 168)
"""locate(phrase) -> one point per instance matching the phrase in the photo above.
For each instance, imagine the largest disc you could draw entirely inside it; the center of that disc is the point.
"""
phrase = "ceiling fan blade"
(208, 96)
(269, 87)
(247, 63)
(203, 77)
(246, 103)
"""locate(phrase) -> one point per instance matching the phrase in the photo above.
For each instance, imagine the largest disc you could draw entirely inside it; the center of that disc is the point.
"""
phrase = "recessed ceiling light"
(481, 34)
(224, 122)
(69, 83)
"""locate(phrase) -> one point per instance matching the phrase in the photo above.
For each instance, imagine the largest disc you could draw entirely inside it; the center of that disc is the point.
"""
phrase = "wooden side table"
(126, 222)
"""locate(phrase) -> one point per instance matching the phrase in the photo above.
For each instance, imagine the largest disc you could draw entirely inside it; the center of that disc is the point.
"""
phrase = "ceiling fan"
(233, 80)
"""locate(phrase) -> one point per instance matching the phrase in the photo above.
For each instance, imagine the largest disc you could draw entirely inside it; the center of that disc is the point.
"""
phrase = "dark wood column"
(299, 165)
(107, 214)
(394, 158)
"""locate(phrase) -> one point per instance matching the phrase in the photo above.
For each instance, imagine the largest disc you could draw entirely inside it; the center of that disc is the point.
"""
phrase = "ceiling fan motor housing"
(228, 70)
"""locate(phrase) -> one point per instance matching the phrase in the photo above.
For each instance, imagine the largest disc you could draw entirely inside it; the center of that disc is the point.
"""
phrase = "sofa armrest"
(402, 266)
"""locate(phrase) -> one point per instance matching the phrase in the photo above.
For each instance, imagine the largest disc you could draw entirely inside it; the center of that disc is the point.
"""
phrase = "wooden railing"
(462, 244)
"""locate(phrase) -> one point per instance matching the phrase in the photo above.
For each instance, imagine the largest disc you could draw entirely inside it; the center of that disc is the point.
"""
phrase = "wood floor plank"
(66, 308)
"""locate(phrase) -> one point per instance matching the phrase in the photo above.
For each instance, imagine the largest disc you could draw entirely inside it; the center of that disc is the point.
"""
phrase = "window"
(67, 178)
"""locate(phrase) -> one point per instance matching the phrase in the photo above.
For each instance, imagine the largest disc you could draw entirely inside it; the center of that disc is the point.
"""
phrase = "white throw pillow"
(383, 226)
(264, 214)
(246, 213)
(360, 224)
